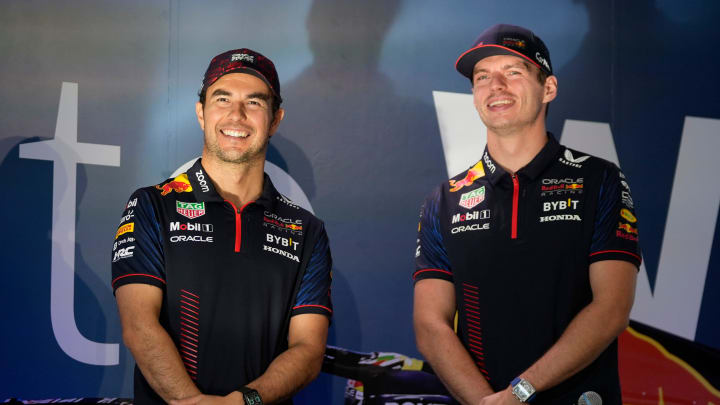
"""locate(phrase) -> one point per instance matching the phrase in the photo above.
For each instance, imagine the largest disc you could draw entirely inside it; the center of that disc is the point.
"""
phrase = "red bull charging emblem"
(179, 184)
(473, 174)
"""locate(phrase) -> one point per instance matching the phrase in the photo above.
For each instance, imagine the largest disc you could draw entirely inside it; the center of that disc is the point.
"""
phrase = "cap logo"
(542, 60)
(516, 43)
(243, 57)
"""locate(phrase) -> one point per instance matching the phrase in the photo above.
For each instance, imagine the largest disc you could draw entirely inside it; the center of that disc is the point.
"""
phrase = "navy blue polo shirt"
(518, 249)
(231, 276)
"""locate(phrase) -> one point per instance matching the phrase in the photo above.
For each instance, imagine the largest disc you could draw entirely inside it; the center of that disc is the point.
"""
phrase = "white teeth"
(500, 102)
(235, 133)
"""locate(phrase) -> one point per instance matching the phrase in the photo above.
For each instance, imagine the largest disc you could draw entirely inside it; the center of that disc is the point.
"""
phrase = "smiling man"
(534, 247)
(222, 283)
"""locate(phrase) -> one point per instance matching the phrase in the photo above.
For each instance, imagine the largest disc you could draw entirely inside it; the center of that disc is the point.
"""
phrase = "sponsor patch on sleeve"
(129, 227)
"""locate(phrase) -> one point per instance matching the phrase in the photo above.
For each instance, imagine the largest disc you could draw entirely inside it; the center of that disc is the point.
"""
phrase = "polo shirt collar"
(532, 170)
(547, 155)
(493, 170)
(270, 196)
(205, 191)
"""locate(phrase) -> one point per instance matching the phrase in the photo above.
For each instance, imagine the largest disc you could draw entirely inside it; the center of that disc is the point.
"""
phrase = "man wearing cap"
(222, 283)
(535, 247)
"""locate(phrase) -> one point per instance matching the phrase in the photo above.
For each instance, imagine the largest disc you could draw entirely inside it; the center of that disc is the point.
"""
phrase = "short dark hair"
(542, 78)
(274, 102)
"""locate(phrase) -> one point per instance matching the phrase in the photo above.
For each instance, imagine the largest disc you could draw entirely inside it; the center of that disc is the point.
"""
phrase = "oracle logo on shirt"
(291, 225)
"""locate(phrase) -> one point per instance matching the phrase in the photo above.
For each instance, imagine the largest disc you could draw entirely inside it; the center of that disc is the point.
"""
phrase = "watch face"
(252, 398)
(523, 390)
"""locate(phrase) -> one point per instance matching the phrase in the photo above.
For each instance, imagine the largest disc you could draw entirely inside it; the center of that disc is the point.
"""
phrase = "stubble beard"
(252, 154)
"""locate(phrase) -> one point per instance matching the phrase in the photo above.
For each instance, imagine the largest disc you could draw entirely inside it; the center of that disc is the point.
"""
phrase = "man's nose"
(237, 111)
(498, 81)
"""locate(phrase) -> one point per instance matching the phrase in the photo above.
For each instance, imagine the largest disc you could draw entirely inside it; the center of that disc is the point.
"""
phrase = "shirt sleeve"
(615, 235)
(137, 254)
(431, 259)
(314, 294)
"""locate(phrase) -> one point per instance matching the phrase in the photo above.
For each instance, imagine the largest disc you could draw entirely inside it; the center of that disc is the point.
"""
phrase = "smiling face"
(508, 95)
(237, 119)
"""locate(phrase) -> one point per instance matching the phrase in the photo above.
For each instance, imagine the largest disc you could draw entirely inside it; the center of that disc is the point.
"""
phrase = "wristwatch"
(523, 390)
(250, 396)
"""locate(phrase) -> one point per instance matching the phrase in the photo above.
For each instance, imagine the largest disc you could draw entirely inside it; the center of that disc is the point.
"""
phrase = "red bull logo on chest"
(179, 184)
(473, 174)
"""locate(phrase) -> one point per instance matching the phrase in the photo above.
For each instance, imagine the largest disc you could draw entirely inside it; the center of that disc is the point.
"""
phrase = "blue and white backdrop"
(97, 98)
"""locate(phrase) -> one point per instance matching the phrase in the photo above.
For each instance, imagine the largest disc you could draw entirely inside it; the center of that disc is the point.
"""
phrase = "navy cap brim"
(465, 64)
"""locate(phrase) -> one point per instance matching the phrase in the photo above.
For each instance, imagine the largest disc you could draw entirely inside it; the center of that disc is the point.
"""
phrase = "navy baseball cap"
(504, 39)
(243, 61)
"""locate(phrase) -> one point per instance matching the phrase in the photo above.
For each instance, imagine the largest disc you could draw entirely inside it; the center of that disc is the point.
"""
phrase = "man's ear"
(199, 114)
(551, 88)
(279, 115)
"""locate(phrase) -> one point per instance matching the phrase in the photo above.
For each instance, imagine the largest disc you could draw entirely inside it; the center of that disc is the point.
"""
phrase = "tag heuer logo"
(189, 209)
(473, 198)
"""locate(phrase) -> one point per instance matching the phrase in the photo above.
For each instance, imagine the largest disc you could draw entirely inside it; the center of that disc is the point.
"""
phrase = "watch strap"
(250, 396)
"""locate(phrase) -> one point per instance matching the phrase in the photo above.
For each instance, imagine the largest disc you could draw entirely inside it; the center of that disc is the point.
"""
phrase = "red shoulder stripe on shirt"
(424, 270)
(616, 251)
(136, 274)
(312, 305)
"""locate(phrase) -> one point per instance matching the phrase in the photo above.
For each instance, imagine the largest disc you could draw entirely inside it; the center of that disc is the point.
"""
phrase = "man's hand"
(233, 398)
(504, 397)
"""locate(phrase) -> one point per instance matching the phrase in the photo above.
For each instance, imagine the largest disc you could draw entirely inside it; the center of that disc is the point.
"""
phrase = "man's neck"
(512, 151)
(239, 183)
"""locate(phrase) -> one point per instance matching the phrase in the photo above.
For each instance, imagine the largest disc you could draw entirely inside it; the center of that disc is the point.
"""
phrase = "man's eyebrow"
(477, 69)
(260, 95)
(257, 94)
(220, 92)
(506, 67)
(518, 64)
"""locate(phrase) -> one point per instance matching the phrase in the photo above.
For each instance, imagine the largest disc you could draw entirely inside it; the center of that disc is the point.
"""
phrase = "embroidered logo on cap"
(243, 57)
(513, 42)
(542, 60)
